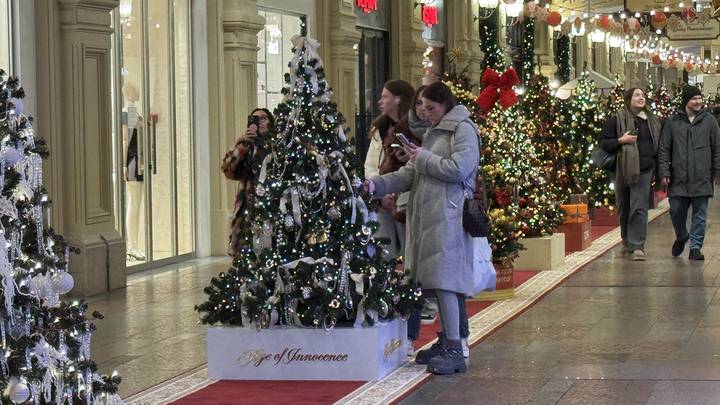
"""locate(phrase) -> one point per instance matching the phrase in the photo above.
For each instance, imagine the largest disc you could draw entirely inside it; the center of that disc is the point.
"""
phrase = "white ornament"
(62, 282)
(18, 391)
(39, 286)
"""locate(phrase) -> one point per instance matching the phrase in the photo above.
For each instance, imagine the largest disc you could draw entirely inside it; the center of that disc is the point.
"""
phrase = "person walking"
(689, 164)
(633, 135)
(440, 252)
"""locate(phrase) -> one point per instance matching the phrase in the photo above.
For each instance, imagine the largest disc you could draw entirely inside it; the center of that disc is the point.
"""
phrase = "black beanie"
(689, 92)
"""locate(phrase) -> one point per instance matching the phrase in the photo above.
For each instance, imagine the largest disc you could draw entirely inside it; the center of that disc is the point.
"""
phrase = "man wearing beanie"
(689, 164)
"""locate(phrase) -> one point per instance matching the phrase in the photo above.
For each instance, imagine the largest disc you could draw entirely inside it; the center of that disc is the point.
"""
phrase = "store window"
(373, 52)
(435, 38)
(153, 130)
(274, 54)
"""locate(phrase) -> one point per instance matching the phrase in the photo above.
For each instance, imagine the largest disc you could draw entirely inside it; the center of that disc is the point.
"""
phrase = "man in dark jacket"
(689, 163)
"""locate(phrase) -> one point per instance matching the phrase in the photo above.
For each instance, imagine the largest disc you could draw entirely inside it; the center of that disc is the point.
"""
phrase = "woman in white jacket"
(395, 103)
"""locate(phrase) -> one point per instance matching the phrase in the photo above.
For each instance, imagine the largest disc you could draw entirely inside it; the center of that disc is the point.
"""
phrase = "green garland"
(528, 55)
(562, 59)
(494, 57)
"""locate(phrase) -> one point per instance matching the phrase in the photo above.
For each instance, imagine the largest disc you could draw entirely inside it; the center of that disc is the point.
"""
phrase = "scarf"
(628, 157)
(417, 126)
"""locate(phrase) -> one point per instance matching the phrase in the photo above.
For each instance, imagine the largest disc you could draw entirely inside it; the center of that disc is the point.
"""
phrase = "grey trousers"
(633, 203)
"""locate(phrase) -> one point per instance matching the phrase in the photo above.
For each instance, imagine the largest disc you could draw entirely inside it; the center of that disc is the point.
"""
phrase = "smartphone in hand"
(402, 138)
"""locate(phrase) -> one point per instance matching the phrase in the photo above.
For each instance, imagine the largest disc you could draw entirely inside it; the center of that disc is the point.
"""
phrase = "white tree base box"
(542, 253)
(344, 354)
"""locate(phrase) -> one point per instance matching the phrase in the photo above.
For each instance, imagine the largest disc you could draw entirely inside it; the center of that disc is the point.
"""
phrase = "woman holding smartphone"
(633, 134)
(395, 103)
(439, 176)
(243, 163)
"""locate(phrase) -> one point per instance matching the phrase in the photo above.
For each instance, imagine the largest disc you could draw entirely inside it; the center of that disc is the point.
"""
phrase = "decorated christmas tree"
(459, 82)
(617, 96)
(544, 124)
(44, 340)
(661, 103)
(310, 258)
(584, 123)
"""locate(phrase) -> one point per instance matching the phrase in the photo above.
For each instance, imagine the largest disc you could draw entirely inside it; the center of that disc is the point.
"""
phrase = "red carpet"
(328, 392)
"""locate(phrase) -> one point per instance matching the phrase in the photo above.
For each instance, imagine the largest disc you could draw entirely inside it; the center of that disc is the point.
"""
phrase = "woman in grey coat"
(439, 250)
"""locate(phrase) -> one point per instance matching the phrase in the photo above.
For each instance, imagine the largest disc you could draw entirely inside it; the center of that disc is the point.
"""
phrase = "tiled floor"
(618, 332)
(151, 332)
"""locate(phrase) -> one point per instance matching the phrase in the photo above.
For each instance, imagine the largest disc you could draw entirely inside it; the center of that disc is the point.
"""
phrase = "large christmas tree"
(310, 258)
(543, 115)
(584, 123)
(44, 341)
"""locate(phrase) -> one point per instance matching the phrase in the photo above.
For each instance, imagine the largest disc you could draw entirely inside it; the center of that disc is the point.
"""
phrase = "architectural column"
(232, 63)
(616, 63)
(464, 33)
(584, 58)
(407, 51)
(544, 49)
(642, 74)
(75, 115)
(631, 75)
(338, 36)
(602, 62)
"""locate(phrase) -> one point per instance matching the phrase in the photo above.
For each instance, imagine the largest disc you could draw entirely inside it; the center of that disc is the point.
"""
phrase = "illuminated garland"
(494, 57)
(562, 59)
(528, 50)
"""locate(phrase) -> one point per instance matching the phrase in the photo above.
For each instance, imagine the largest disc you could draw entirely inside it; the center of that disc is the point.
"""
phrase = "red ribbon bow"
(496, 88)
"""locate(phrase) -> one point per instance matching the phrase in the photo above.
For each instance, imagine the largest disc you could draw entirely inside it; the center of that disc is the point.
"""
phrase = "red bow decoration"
(496, 88)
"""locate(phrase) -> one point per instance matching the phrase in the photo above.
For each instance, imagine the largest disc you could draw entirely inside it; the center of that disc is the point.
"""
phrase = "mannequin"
(134, 180)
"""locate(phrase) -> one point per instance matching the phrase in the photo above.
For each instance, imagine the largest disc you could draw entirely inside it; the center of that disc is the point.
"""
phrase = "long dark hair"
(271, 119)
(627, 97)
(440, 93)
(406, 92)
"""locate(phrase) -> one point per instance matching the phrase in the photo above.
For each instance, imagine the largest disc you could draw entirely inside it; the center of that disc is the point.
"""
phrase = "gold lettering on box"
(391, 347)
(256, 357)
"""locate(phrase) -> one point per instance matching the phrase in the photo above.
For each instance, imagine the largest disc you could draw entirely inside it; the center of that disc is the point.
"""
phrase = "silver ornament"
(289, 221)
(260, 190)
(18, 391)
(62, 282)
(384, 309)
(306, 292)
(333, 213)
(366, 230)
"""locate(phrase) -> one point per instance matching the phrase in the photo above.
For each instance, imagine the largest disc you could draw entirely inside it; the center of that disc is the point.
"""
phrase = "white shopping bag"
(484, 277)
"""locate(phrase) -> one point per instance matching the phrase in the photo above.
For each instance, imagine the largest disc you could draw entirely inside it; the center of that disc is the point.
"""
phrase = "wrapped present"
(578, 236)
(575, 213)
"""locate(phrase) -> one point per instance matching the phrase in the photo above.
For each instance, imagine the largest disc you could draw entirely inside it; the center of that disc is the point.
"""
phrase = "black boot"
(424, 356)
(449, 361)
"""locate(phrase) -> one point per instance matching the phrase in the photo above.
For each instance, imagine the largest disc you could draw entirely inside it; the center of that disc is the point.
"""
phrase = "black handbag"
(476, 221)
(603, 159)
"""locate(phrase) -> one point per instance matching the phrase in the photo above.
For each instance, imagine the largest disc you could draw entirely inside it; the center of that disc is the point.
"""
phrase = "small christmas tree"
(585, 119)
(44, 341)
(617, 96)
(310, 259)
(661, 104)
(459, 82)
